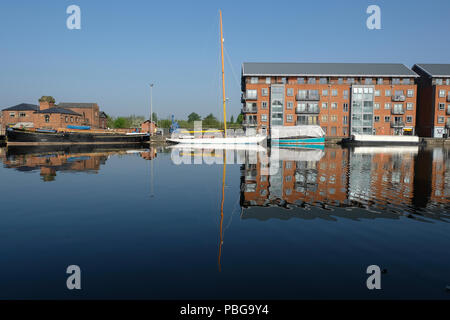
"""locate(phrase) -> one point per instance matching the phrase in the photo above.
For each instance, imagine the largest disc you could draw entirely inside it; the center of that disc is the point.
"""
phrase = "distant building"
(49, 115)
(103, 120)
(343, 98)
(148, 126)
(433, 111)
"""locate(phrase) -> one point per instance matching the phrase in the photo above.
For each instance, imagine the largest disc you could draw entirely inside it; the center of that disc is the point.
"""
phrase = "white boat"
(302, 135)
(218, 146)
(199, 139)
(380, 140)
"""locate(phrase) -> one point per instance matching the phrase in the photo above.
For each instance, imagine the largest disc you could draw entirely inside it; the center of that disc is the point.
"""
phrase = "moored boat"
(380, 140)
(304, 135)
(15, 136)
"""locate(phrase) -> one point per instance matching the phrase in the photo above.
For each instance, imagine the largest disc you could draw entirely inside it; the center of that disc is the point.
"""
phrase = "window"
(290, 105)
(324, 129)
(438, 82)
(376, 106)
(324, 118)
(380, 81)
(254, 80)
(333, 131)
(350, 80)
(264, 105)
(410, 93)
(376, 118)
(387, 119)
(71, 119)
(323, 81)
(251, 94)
(406, 81)
(264, 92)
(345, 107)
(409, 119)
(311, 80)
(22, 114)
(387, 106)
(333, 118)
(398, 108)
(345, 94)
(334, 105)
(47, 118)
(264, 117)
(377, 93)
(395, 81)
(300, 80)
(340, 81)
(268, 80)
(345, 120)
(289, 118)
(344, 131)
(441, 106)
(325, 93)
(324, 105)
(441, 119)
(289, 92)
(334, 92)
(441, 93)
(410, 106)
(12, 114)
(283, 80)
(67, 119)
(368, 80)
(447, 82)
(387, 93)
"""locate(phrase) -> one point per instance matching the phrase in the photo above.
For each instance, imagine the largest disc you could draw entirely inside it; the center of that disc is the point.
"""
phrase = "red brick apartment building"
(343, 98)
(433, 110)
(49, 115)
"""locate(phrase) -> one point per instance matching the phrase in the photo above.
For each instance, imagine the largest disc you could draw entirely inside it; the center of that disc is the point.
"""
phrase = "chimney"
(46, 102)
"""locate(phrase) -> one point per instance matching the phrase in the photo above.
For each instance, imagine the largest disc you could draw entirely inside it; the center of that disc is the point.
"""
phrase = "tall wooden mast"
(223, 79)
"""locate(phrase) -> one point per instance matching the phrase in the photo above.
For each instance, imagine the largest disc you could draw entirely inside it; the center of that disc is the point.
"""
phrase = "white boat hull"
(236, 140)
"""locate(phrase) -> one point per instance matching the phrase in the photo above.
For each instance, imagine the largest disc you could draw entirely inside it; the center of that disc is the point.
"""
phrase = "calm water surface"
(295, 223)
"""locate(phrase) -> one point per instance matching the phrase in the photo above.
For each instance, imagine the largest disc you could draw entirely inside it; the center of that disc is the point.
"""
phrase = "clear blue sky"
(124, 45)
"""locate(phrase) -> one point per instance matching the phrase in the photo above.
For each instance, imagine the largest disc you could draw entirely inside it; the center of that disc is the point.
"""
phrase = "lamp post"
(151, 110)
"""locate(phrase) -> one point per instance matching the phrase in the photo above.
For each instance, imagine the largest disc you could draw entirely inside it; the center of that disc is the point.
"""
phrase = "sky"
(123, 46)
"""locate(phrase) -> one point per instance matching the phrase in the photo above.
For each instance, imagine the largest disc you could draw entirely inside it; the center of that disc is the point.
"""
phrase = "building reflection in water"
(49, 161)
(351, 183)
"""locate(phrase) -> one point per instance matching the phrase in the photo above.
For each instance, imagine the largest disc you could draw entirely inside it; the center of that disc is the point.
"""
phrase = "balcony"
(397, 124)
(447, 112)
(307, 123)
(246, 96)
(397, 111)
(398, 98)
(250, 123)
(307, 97)
(250, 110)
(448, 98)
(308, 110)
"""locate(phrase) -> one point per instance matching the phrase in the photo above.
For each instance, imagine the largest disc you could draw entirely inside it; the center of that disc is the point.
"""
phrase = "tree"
(240, 118)
(232, 119)
(155, 117)
(194, 117)
(48, 99)
(120, 122)
(210, 120)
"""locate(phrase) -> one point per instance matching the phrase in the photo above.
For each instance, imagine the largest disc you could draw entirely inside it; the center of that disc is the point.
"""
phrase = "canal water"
(170, 223)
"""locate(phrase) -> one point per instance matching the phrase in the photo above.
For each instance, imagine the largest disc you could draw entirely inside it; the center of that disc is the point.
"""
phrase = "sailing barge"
(22, 136)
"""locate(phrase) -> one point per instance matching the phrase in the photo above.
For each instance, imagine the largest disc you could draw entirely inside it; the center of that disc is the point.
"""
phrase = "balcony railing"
(398, 111)
(398, 98)
(447, 112)
(397, 124)
(306, 123)
(249, 110)
(246, 96)
(307, 97)
(250, 123)
(308, 110)
(448, 98)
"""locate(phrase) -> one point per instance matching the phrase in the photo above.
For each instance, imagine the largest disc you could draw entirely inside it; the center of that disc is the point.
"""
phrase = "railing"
(447, 112)
(398, 111)
(397, 124)
(308, 97)
(448, 98)
(250, 110)
(308, 109)
(306, 123)
(398, 98)
(246, 96)
(250, 123)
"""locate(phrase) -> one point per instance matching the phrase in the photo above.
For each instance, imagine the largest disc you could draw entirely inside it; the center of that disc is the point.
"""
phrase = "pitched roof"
(76, 105)
(59, 110)
(435, 69)
(103, 115)
(327, 69)
(23, 107)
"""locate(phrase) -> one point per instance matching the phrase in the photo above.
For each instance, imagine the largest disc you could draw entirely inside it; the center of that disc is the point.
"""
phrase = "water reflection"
(385, 182)
(50, 160)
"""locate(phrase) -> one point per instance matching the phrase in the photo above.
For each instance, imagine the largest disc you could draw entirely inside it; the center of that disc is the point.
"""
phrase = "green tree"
(232, 119)
(240, 118)
(194, 117)
(210, 120)
(48, 99)
(155, 117)
(120, 123)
